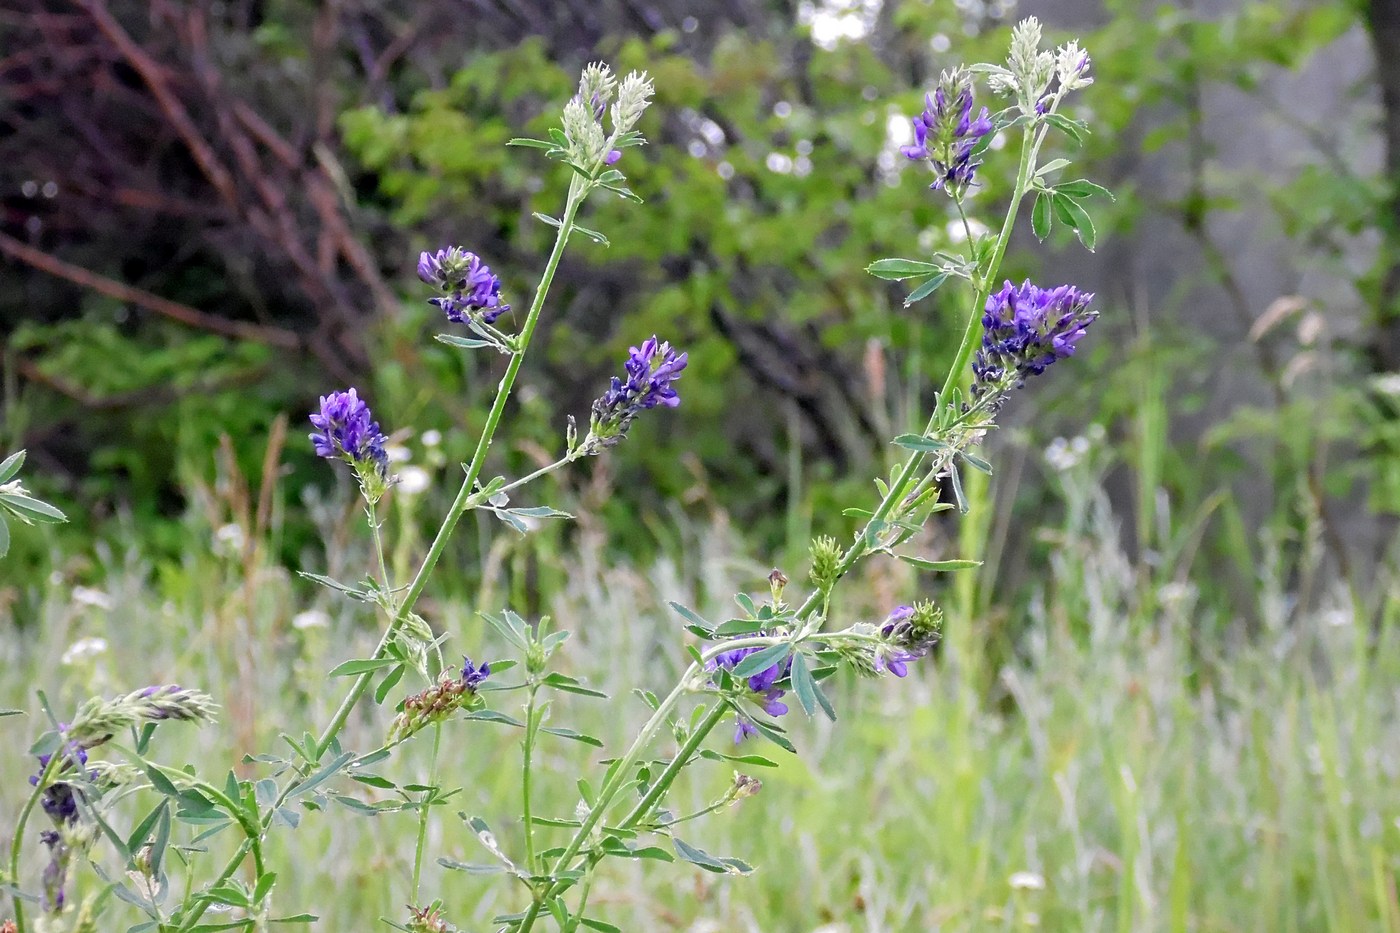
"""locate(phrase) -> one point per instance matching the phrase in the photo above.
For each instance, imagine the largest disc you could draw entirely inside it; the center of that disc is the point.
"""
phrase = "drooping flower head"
(762, 685)
(946, 133)
(651, 369)
(440, 700)
(468, 287)
(908, 633)
(1025, 330)
(346, 430)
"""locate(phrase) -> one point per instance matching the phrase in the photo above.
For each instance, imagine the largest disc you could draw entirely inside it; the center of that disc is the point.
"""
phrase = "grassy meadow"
(1136, 760)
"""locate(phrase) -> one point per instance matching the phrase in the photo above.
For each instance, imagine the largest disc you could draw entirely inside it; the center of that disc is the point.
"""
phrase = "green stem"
(17, 844)
(379, 549)
(542, 471)
(619, 779)
(423, 812)
(584, 887)
(577, 192)
(459, 505)
(1030, 145)
(528, 747)
(672, 771)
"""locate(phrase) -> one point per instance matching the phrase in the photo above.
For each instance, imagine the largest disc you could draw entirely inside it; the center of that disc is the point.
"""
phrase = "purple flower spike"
(946, 133)
(651, 369)
(1025, 330)
(346, 430)
(468, 287)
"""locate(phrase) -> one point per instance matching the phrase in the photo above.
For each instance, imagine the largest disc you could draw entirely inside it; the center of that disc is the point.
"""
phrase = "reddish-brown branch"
(192, 317)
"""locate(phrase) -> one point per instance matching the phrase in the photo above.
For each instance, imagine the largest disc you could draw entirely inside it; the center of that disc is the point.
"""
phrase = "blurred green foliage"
(771, 183)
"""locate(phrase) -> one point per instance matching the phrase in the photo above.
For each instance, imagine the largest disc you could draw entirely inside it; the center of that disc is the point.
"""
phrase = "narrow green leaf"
(1042, 218)
(690, 615)
(939, 565)
(320, 777)
(1054, 165)
(928, 287)
(571, 734)
(958, 495)
(697, 856)
(803, 684)
(920, 443)
(531, 143)
(731, 627)
(976, 462)
(1083, 188)
(264, 886)
(761, 660)
(360, 666)
(469, 868)
(467, 343)
(490, 715)
(1072, 128)
(593, 235)
(545, 218)
(388, 683)
(1069, 211)
(10, 466)
(27, 508)
(896, 270)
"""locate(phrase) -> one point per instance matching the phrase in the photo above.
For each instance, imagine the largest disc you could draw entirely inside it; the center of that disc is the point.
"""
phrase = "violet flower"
(346, 430)
(1025, 330)
(467, 285)
(651, 369)
(762, 685)
(946, 133)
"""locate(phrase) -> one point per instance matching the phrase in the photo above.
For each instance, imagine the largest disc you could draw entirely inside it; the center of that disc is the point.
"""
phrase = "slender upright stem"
(464, 495)
(1030, 144)
(527, 748)
(423, 812)
(379, 548)
(577, 192)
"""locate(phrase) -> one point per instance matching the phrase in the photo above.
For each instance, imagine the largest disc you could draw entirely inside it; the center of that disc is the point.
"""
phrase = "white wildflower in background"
(413, 480)
(84, 649)
(229, 539)
(88, 596)
(311, 618)
(1027, 881)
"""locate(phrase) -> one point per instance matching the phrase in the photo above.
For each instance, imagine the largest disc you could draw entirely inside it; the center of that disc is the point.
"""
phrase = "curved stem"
(17, 844)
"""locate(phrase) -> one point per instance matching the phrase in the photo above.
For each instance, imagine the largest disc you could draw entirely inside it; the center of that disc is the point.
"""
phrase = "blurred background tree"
(211, 214)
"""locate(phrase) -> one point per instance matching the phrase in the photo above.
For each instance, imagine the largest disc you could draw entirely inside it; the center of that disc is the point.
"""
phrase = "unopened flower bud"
(826, 558)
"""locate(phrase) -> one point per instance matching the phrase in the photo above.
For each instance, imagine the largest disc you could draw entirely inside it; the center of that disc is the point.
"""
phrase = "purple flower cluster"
(468, 287)
(946, 133)
(651, 369)
(896, 657)
(907, 634)
(763, 684)
(1026, 329)
(346, 429)
(473, 675)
